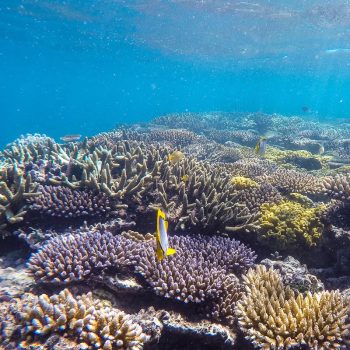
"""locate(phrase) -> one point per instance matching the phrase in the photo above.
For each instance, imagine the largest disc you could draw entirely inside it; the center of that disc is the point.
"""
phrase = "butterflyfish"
(175, 157)
(260, 147)
(185, 178)
(163, 248)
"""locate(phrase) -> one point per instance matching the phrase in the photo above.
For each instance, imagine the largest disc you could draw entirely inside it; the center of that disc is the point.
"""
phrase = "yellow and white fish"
(163, 249)
(176, 157)
(260, 148)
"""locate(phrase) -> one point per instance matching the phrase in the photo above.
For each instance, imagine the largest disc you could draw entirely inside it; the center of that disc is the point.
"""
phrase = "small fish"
(163, 249)
(176, 157)
(185, 178)
(321, 149)
(305, 109)
(70, 138)
(260, 147)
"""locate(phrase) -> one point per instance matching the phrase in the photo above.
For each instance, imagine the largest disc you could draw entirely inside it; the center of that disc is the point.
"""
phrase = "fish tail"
(171, 251)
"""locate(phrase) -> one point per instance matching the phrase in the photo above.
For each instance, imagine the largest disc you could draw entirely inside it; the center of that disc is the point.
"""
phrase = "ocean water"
(82, 66)
(183, 178)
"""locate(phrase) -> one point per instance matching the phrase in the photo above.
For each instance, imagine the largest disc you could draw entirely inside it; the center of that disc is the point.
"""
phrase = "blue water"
(81, 66)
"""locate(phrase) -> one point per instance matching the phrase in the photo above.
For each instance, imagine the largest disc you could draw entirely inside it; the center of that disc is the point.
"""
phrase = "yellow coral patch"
(289, 224)
(242, 183)
(288, 156)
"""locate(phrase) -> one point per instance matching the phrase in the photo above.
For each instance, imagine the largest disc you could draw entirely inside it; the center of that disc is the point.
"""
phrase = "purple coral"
(60, 201)
(73, 257)
(198, 268)
(195, 273)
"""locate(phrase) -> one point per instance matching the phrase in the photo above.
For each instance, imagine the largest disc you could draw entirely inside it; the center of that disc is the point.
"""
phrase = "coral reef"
(71, 257)
(243, 183)
(94, 324)
(64, 202)
(14, 189)
(295, 275)
(288, 180)
(273, 316)
(74, 257)
(288, 224)
(71, 208)
(337, 186)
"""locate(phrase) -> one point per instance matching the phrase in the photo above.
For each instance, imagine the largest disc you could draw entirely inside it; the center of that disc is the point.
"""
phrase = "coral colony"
(259, 241)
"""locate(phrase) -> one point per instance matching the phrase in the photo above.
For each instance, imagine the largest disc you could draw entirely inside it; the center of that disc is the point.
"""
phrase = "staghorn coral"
(242, 137)
(287, 224)
(30, 148)
(254, 197)
(59, 201)
(226, 154)
(94, 324)
(205, 202)
(273, 316)
(14, 189)
(176, 137)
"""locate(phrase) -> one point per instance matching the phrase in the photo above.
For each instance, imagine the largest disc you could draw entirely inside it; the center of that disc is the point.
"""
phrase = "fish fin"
(257, 147)
(159, 252)
(171, 251)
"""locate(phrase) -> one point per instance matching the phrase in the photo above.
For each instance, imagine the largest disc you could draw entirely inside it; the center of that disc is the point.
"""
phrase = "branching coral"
(222, 308)
(30, 148)
(93, 324)
(64, 202)
(74, 257)
(274, 317)
(192, 274)
(14, 189)
(254, 197)
(252, 168)
(337, 186)
(198, 268)
(289, 181)
(289, 224)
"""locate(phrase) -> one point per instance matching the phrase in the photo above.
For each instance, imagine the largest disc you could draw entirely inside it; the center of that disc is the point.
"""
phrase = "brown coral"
(337, 186)
(289, 181)
(92, 323)
(14, 189)
(275, 317)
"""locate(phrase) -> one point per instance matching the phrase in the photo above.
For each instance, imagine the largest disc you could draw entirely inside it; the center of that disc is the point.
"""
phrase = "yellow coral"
(300, 198)
(242, 183)
(288, 156)
(274, 317)
(289, 223)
